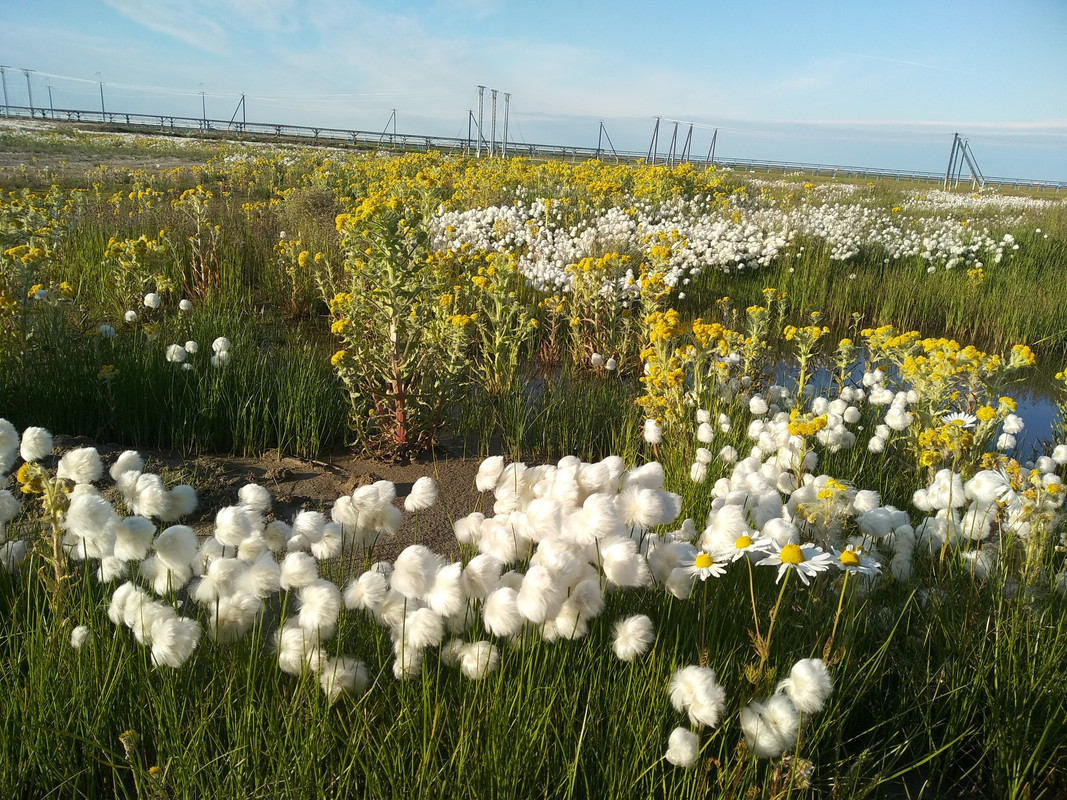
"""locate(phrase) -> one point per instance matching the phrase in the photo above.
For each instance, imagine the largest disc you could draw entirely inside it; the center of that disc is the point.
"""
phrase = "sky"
(849, 82)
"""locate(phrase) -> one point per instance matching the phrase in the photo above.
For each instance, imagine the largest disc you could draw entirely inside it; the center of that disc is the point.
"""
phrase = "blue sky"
(854, 83)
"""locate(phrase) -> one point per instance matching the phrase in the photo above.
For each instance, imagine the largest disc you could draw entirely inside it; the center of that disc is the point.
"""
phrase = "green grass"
(946, 684)
(951, 691)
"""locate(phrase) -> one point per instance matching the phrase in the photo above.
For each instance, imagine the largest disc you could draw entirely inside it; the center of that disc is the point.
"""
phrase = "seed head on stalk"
(54, 492)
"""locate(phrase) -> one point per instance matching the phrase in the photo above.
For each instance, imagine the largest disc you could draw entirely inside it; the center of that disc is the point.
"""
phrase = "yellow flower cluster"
(665, 325)
(801, 424)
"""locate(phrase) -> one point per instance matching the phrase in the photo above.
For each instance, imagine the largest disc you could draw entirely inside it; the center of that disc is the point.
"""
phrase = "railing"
(161, 123)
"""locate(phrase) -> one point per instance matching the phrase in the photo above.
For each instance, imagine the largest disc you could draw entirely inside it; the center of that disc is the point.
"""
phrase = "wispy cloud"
(180, 20)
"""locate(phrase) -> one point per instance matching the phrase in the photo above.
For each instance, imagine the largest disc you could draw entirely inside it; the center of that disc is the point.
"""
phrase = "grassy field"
(754, 518)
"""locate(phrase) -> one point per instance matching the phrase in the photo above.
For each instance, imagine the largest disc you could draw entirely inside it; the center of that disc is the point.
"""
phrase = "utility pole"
(711, 150)
(29, 89)
(203, 107)
(688, 142)
(951, 159)
(481, 94)
(655, 143)
(3, 79)
(241, 108)
(492, 127)
(51, 108)
(101, 82)
(504, 144)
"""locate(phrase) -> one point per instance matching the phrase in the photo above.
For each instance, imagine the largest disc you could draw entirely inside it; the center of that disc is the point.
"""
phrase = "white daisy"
(959, 419)
(703, 566)
(746, 545)
(856, 561)
(806, 559)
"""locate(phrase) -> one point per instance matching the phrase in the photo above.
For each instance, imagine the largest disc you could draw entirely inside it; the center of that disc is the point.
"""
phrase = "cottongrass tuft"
(683, 746)
(176, 547)
(809, 685)
(234, 524)
(366, 592)
(9, 508)
(343, 675)
(320, 604)
(128, 461)
(481, 576)
(297, 649)
(12, 554)
(82, 465)
(90, 525)
(310, 525)
(420, 629)
(36, 444)
(79, 637)
(478, 659)
(696, 691)
(176, 354)
(414, 570)
(232, 617)
(771, 726)
(261, 578)
(423, 495)
(255, 497)
(653, 434)
(9, 445)
(298, 570)
(489, 473)
(632, 637)
(330, 543)
(173, 640)
(500, 612)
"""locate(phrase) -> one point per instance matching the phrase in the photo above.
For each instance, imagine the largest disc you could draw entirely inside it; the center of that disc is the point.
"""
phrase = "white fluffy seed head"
(36, 444)
(176, 547)
(343, 675)
(500, 612)
(683, 746)
(128, 461)
(233, 525)
(309, 524)
(809, 685)
(489, 473)
(181, 502)
(298, 570)
(255, 497)
(330, 543)
(423, 495)
(478, 659)
(320, 603)
(632, 637)
(770, 727)
(414, 570)
(366, 592)
(80, 466)
(481, 576)
(696, 691)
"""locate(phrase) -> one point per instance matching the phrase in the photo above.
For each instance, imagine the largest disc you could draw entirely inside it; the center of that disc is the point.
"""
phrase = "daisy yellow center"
(702, 561)
(791, 554)
(849, 558)
(743, 542)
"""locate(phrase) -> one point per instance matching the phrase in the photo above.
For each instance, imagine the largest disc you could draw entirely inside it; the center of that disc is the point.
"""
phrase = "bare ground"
(298, 484)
